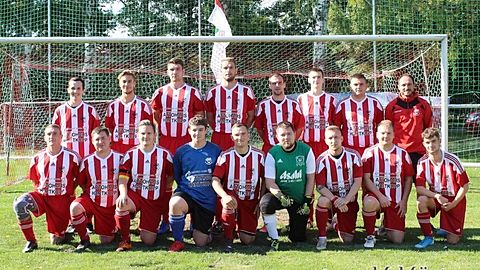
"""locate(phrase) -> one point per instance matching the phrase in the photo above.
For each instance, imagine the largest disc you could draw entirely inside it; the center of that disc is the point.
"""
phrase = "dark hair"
(99, 130)
(317, 69)
(176, 61)
(77, 79)
(285, 125)
(198, 120)
(358, 76)
(407, 75)
(147, 123)
(429, 133)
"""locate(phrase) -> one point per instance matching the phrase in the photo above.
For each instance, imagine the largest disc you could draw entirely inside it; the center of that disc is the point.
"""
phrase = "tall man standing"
(410, 115)
(448, 185)
(228, 103)
(289, 178)
(125, 112)
(76, 119)
(358, 116)
(275, 109)
(53, 172)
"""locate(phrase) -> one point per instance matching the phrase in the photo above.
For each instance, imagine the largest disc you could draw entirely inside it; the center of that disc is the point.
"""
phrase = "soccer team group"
(130, 164)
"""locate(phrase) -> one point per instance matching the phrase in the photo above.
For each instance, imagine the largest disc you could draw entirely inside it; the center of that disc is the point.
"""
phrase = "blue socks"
(177, 223)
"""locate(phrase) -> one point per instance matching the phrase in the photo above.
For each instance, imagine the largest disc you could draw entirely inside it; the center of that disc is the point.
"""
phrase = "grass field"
(462, 256)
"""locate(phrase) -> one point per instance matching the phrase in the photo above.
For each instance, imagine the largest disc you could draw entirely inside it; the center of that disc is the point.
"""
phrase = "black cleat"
(90, 228)
(84, 244)
(30, 246)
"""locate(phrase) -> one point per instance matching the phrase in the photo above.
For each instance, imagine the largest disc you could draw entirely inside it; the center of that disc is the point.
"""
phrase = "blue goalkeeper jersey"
(193, 169)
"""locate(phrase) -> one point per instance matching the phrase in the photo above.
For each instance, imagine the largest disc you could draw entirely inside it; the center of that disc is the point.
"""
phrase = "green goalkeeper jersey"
(290, 169)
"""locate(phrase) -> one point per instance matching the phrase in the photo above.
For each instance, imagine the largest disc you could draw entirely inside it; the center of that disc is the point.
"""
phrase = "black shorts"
(201, 217)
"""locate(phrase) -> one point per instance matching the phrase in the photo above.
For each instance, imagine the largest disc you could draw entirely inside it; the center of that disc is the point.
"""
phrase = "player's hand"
(285, 200)
(340, 202)
(121, 201)
(448, 206)
(401, 208)
(343, 209)
(442, 200)
(384, 201)
(229, 202)
(304, 210)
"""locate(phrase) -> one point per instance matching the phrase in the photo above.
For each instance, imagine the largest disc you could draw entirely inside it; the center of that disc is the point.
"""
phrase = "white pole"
(199, 46)
(374, 30)
(49, 33)
(211, 39)
(444, 95)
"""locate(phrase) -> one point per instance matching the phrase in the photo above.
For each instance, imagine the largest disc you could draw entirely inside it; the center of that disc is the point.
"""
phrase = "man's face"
(358, 87)
(53, 136)
(101, 141)
(385, 135)
(198, 133)
(229, 71)
(333, 139)
(146, 136)
(405, 86)
(75, 89)
(277, 85)
(315, 79)
(240, 136)
(175, 72)
(127, 84)
(285, 137)
(432, 145)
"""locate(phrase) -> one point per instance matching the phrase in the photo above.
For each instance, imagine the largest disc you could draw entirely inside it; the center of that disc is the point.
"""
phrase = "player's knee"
(345, 238)
(246, 239)
(453, 239)
(422, 202)
(370, 204)
(177, 205)
(22, 205)
(104, 239)
(57, 239)
(148, 238)
(75, 208)
(323, 202)
(266, 205)
(396, 237)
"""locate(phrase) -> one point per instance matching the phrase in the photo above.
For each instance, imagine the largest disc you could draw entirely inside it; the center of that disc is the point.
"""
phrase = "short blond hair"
(128, 72)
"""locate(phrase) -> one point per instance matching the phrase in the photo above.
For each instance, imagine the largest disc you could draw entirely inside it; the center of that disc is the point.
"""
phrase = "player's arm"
(299, 122)
(402, 206)
(462, 191)
(227, 200)
(368, 183)
(250, 118)
(123, 177)
(422, 190)
(351, 196)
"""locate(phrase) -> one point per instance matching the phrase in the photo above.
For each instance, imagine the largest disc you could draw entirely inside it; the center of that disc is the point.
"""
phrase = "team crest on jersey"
(416, 112)
(208, 161)
(189, 177)
(300, 160)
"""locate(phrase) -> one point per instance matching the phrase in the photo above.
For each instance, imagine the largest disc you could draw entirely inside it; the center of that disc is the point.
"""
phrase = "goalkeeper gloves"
(285, 200)
(304, 210)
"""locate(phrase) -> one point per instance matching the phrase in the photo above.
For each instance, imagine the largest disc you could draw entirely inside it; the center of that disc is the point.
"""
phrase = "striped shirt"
(318, 112)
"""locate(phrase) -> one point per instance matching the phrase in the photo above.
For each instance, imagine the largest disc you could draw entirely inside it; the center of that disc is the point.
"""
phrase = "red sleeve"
(420, 180)
(367, 165)
(83, 179)
(427, 116)
(126, 166)
(198, 105)
(109, 121)
(407, 169)
(220, 167)
(56, 117)
(147, 113)
(321, 178)
(338, 117)
(378, 114)
(298, 119)
(155, 101)
(210, 102)
(259, 123)
(389, 110)
(462, 178)
(358, 170)
(251, 101)
(331, 112)
(32, 172)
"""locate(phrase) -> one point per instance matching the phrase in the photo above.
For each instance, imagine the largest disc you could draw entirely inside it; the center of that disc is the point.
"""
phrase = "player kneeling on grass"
(290, 177)
(98, 179)
(53, 172)
(145, 177)
(388, 173)
(448, 182)
(237, 180)
(194, 163)
(338, 179)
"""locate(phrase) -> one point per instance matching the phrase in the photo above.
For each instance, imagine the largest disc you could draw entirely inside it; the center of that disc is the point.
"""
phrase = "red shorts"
(247, 220)
(453, 220)
(151, 211)
(347, 222)
(317, 147)
(223, 140)
(57, 210)
(121, 148)
(173, 143)
(391, 220)
(104, 220)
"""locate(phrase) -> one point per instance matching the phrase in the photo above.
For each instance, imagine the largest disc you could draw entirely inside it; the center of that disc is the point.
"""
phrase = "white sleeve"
(310, 162)
(270, 167)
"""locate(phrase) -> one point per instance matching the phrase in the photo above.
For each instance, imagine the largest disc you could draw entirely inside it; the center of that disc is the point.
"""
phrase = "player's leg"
(321, 214)
(122, 220)
(298, 224)
(346, 222)
(425, 207)
(57, 210)
(79, 220)
(229, 223)
(268, 205)
(394, 224)
(202, 221)
(22, 206)
(247, 221)
(453, 222)
(151, 214)
(178, 208)
(104, 223)
(369, 212)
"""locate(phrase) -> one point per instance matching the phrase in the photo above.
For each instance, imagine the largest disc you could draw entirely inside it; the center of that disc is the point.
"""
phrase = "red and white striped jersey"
(174, 107)
(122, 119)
(338, 174)
(76, 125)
(229, 106)
(358, 121)
(318, 112)
(241, 174)
(270, 113)
(99, 178)
(446, 178)
(54, 175)
(148, 172)
(388, 170)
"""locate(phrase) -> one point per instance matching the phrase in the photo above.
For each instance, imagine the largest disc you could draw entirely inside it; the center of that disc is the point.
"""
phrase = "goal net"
(33, 76)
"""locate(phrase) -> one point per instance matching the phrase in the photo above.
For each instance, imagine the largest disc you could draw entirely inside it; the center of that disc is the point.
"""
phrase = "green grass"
(462, 256)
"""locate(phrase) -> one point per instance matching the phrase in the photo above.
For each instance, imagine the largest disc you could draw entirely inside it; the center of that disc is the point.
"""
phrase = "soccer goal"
(34, 71)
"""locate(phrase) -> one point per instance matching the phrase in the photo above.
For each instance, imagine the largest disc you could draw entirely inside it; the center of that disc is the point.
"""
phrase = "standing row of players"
(225, 104)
